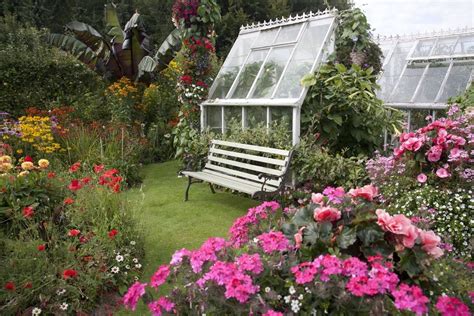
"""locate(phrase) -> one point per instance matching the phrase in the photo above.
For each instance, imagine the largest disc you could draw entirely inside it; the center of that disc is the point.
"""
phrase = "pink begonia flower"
(434, 153)
(456, 154)
(405, 136)
(398, 152)
(430, 243)
(412, 144)
(442, 173)
(299, 238)
(410, 236)
(383, 219)
(457, 140)
(398, 225)
(367, 192)
(130, 299)
(422, 178)
(271, 312)
(411, 298)
(160, 276)
(452, 306)
(317, 198)
(326, 214)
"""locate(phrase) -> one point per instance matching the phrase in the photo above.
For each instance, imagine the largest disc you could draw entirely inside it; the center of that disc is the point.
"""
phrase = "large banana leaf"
(72, 45)
(91, 37)
(135, 46)
(112, 23)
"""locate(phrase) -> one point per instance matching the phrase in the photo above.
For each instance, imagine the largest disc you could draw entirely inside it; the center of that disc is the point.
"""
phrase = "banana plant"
(117, 52)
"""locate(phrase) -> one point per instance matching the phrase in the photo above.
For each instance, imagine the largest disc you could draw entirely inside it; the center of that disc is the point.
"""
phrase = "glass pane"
(393, 69)
(232, 64)
(423, 48)
(256, 116)
(431, 83)
(266, 37)
(306, 53)
(419, 118)
(214, 118)
(457, 81)
(465, 45)
(408, 83)
(288, 33)
(445, 46)
(233, 117)
(250, 71)
(282, 115)
(271, 73)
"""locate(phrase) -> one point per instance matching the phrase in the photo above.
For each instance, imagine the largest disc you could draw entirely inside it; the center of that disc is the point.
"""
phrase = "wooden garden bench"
(255, 170)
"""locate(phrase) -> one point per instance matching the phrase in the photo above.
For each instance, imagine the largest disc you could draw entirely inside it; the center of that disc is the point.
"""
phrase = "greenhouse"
(421, 72)
(259, 81)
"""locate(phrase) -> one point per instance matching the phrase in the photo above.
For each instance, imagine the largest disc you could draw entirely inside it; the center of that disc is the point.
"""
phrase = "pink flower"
(412, 144)
(160, 276)
(367, 192)
(133, 294)
(317, 198)
(434, 154)
(273, 241)
(335, 195)
(299, 238)
(326, 214)
(240, 287)
(451, 306)
(430, 243)
(409, 237)
(354, 267)
(383, 219)
(178, 256)
(251, 263)
(398, 225)
(304, 272)
(410, 298)
(271, 312)
(442, 173)
(156, 307)
(331, 265)
(422, 178)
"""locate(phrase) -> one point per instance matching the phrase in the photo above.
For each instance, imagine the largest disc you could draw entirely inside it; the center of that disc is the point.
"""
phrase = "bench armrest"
(267, 177)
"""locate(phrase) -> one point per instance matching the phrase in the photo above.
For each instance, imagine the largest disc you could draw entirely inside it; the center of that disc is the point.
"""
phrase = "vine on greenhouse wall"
(195, 19)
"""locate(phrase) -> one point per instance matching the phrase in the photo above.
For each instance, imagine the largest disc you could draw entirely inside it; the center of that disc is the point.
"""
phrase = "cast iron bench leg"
(186, 195)
(212, 188)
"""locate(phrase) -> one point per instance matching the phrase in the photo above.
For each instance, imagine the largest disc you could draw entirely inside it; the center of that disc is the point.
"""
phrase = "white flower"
(292, 290)
(61, 291)
(138, 266)
(135, 260)
(115, 269)
(64, 306)
(267, 289)
(36, 311)
(119, 258)
(133, 243)
(287, 299)
(300, 297)
(135, 278)
(127, 267)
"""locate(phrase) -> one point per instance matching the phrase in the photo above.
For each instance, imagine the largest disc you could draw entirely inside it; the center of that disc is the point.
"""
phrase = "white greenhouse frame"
(255, 46)
(420, 72)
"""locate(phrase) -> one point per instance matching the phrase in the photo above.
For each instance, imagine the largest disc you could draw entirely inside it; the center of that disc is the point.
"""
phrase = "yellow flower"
(5, 159)
(23, 173)
(27, 165)
(5, 167)
(43, 163)
(19, 151)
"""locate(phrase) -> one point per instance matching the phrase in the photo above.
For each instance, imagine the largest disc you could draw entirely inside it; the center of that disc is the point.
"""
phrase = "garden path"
(170, 224)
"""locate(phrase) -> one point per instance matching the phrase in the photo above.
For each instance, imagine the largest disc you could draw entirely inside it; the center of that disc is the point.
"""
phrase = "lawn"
(169, 223)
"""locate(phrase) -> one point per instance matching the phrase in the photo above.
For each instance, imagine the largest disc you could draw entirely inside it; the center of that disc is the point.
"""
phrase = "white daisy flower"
(267, 289)
(138, 266)
(133, 243)
(36, 311)
(119, 258)
(64, 306)
(61, 291)
(115, 269)
(135, 260)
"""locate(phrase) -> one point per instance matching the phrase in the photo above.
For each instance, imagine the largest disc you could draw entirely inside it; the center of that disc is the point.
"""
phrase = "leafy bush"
(69, 241)
(24, 58)
(339, 256)
(342, 110)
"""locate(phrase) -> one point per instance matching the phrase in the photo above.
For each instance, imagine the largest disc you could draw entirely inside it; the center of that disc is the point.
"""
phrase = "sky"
(392, 17)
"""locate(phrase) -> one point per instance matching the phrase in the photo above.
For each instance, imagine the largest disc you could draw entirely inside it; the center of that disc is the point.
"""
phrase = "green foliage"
(318, 168)
(342, 109)
(465, 100)
(24, 58)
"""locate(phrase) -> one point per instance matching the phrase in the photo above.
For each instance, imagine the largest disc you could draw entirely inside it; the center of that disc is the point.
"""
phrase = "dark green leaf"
(347, 237)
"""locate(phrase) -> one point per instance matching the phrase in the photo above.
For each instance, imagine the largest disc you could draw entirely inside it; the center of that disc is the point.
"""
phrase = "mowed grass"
(169, 223)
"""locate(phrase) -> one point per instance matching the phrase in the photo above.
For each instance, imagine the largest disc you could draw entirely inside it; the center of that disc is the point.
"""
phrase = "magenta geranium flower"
(273, 241)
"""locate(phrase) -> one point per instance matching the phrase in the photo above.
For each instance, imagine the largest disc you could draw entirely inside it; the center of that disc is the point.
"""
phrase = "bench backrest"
(248, 161)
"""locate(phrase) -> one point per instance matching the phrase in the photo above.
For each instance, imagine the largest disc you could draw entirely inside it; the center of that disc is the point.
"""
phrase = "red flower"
(113, 233)
(75, 167)
(28, 212)
(186, 79)
(41, 247)
(83, 239)
(74, 232)
(98, 168)
(69, 273)
(75, 185)
(28, 158)
(86, 180)
(68, 201)
(10, 286)
(87, 258)
(28, 285)
(201, 84)
(116, 187)
(51, 175)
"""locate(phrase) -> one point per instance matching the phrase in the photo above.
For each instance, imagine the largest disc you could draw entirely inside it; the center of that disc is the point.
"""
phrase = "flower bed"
(69, 242)
(341, 253)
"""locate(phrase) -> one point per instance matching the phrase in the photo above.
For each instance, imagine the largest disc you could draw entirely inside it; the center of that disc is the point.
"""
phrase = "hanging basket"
(358, 58)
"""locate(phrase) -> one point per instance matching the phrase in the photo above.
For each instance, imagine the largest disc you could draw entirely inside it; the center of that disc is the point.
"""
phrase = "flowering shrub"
(69, 237)
(429, 177)
(337, 255)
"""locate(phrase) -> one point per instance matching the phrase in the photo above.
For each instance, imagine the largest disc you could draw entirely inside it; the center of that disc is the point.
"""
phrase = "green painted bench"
(254, 170)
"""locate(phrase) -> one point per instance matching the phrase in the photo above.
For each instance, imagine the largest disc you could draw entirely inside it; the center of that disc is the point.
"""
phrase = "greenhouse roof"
(268, 60)
(423, 71)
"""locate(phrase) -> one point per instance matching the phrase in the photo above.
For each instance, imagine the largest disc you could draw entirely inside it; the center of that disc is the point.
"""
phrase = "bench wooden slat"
(267, 184)
(272, 161)
(231, 184)
(245, 165)
(267, 150)
(240, 174)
